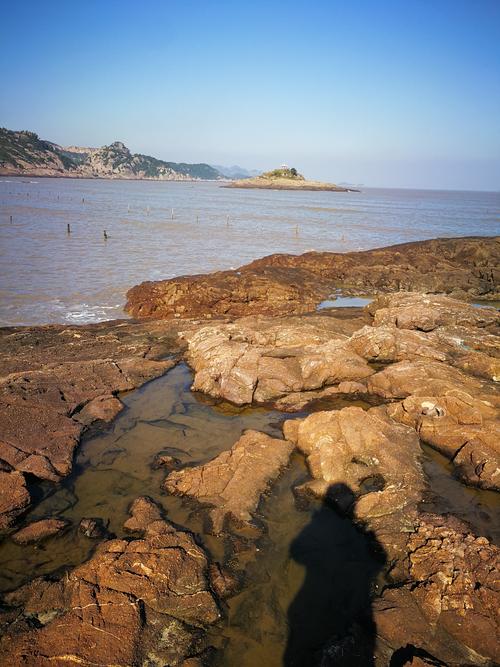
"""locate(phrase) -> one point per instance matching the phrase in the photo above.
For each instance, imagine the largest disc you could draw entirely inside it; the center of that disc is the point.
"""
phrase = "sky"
(402, 93)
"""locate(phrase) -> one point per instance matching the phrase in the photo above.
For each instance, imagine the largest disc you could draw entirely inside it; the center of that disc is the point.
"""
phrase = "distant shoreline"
(301, 188)
(83, 177)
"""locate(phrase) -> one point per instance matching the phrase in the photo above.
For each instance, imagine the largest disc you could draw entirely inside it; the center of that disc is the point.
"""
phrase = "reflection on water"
(307, 558)
(50, 276)
(113, 468)
(480, 509)
(344, 302)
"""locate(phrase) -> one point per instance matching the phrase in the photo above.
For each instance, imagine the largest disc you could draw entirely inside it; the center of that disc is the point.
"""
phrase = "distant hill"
(236, 172)
(24, 153)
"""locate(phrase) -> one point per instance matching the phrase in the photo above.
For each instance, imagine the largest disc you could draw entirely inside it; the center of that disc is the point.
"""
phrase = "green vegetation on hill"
(22, 152)
(284, 172)
(21, 148)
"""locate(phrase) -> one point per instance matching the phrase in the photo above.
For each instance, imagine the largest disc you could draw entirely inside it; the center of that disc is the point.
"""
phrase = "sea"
(71, 248)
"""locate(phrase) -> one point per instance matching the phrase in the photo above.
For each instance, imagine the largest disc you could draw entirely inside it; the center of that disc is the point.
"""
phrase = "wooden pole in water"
(172, 214)
(227, 221)
(11, 218)
(296, 230)
(128, 208)
(68, 228)
(197, 218)
(105, 236)
(83, 200)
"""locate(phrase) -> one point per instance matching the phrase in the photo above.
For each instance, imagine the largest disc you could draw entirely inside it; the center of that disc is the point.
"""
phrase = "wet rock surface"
(233, 483)
(133, 601)
(288, 284)
(447, 606)
(373, 457)
(57, 381)
(14, 497)
(244, 363)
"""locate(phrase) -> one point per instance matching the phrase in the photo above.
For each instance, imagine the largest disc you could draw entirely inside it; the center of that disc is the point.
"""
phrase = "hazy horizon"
(381, 94)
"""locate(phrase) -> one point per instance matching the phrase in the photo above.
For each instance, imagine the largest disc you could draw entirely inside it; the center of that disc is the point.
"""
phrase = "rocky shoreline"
(418, 365)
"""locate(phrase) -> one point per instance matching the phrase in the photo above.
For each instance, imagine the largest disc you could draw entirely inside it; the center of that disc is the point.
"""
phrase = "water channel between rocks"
(114, 467)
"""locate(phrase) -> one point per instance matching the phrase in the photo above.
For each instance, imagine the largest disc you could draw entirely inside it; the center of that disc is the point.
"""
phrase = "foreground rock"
(429, 311)
(442, 595)
(14, 497)
(144, 601)
(246, 362)
(232, 484)
(452, 412)
(372, 459)
(447, 607)
(288, 284)
(55, 382)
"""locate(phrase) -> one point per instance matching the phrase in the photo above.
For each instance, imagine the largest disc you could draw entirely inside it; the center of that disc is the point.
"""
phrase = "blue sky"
(385, 93)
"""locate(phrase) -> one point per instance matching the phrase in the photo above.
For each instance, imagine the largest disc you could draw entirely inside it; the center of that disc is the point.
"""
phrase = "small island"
(285, 178)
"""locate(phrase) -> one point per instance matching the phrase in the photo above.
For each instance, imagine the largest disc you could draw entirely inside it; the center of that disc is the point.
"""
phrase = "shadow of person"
(330, 620)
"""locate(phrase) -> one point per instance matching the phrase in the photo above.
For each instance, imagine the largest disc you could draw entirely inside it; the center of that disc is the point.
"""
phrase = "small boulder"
(93, 528)
(39, 530)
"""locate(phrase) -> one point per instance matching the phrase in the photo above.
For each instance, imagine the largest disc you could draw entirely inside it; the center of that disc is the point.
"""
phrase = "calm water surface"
(47, 275)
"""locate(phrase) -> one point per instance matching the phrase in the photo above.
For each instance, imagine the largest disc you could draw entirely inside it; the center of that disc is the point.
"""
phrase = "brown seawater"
(48, 276)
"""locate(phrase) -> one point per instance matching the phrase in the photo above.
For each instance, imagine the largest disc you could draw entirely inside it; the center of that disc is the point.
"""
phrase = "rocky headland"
(362, 393)
(25, 154)
(285, 179)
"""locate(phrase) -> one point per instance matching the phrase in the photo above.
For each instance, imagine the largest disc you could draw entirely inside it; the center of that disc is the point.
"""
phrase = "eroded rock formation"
(140, 601)
(232, 484)
(426, 367)
(55, 382)
(288, 284)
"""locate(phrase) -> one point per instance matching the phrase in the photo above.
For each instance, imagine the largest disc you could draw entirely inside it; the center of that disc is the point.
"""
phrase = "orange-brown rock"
(373, 456)
(286, 284)
(451, 411)
(143, 511)
(233, 483)
(56, 381)
(447, 609)
(244, 363)
(422, 378)
(130, 601)
(14, 497)
(426, 312)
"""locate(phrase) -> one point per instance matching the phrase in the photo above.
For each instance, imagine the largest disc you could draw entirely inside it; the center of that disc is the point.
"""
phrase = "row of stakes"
(68, 227)
(148, 211)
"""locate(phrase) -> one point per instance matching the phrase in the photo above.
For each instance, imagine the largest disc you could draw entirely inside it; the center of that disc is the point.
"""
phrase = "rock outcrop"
(39, 530)
(441, 577)
(143, 601)
(243, 364)
(232, 484)
(447, 607)
(291, 284)
(425, 367)
(55, 382)
(376, 458)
